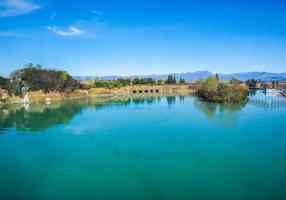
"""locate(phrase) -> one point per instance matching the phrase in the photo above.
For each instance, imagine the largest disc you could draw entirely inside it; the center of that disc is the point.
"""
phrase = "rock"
(48, 100)
(3, 96)
(26, 99)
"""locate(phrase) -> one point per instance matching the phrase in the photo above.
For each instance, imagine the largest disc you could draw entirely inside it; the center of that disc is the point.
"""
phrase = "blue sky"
(127, 37)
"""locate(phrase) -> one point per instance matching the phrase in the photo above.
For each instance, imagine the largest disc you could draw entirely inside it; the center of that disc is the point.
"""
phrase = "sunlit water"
(175, 147)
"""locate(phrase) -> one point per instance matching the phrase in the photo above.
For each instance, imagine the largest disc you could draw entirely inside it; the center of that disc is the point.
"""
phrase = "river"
(150, 147)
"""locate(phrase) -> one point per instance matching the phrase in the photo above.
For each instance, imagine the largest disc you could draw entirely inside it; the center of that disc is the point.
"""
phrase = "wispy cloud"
(71, 31)
(9, 34)
(81, 28)
(96, 12)
(17, 7)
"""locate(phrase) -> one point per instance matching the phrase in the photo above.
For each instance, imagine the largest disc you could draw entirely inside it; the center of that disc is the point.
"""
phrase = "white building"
(271, 91)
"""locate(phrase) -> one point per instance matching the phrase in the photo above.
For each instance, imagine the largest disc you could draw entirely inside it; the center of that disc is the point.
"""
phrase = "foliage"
(213, 90)
(235, 81)
(34, 78)
(160, 82)
(171, 80)
(143, 81)
(251, 83)
(109, 84)
(182, 80)
(4, 83)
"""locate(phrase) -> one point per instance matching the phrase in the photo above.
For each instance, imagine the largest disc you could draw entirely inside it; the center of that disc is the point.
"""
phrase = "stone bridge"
(153, 89)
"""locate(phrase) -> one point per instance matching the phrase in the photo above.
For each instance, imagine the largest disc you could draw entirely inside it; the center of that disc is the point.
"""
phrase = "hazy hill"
(193, 76)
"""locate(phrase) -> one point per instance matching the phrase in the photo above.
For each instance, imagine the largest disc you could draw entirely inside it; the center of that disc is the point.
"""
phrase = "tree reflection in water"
(38, 117)
(225, 114)
(171, 100)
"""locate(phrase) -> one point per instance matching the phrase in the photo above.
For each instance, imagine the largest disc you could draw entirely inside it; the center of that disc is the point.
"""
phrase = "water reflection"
(265, 101)
(39, 117)
(181, 99)
(210, 108)
(226, 114)
(268, 103)
(171, 100)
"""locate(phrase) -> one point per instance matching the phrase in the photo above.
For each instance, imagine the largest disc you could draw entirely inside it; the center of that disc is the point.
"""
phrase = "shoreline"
(40, 96)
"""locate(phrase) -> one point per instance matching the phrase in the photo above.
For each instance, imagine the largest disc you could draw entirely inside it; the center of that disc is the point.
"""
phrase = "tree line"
(124, 82)
(35, 78)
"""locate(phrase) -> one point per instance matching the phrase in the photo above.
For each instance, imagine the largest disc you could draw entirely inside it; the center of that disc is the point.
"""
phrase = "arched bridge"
(156, 89)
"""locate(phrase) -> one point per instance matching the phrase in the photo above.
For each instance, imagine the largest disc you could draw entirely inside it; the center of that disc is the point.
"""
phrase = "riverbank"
(40, 96)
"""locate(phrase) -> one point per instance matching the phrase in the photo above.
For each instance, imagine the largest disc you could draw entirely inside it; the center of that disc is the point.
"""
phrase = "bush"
(143, 81)
(213, 90)
(4, 83)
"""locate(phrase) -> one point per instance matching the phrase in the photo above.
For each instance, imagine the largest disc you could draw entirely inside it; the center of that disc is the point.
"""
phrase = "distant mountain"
(193, 76)
(189, 76)
(92, 78)
(263, 76)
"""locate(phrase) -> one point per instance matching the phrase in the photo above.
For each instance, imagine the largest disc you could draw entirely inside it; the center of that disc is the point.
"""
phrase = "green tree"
(251, 83)
(182, 80)
(213, 90)
(63, 74)
(171, 80)
(160, 82)
(4, 83)
(35, 78)
(217, 76)
(30, 65)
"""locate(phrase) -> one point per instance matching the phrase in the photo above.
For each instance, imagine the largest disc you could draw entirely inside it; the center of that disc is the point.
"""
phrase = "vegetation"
(143, 81)
(35, 78)
(4, 83)
(213, 90)
(171, 80)
(182, 80)
(110, 84)
(251, 83)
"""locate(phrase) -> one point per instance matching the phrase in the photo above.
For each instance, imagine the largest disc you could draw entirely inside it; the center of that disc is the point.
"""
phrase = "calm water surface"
(175, 147)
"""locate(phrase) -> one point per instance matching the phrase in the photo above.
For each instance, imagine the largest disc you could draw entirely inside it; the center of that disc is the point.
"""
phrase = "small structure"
(270, 90)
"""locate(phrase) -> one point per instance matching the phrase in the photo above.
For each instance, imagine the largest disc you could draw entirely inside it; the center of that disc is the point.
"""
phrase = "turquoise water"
(172, 147)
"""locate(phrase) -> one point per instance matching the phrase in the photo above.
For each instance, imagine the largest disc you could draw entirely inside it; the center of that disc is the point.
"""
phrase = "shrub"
(213, 90)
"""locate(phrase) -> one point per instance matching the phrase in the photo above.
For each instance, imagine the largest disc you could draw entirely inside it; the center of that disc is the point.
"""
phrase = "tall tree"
(171, 79)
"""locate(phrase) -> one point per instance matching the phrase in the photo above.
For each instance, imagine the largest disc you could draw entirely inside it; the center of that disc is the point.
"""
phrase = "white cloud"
(17, 7)
(71, 31)
(96, 12)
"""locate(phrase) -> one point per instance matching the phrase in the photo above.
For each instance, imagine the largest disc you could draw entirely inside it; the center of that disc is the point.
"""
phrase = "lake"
(160, 147)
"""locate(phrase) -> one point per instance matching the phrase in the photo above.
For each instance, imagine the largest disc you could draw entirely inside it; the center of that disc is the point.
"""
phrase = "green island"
(34, 83)
(233, 91)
